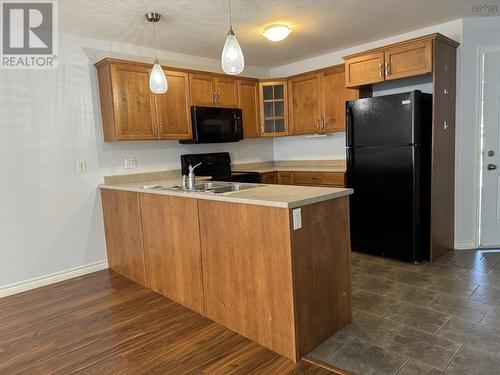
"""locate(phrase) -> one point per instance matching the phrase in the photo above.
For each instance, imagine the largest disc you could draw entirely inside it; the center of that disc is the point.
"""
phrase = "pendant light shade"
(158, 83)
(232, 58)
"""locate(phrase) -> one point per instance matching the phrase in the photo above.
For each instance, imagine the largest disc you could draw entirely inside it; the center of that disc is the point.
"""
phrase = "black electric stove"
(218, 166)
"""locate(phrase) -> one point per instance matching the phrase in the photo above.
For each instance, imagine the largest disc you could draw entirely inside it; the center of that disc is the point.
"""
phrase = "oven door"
(216, 125)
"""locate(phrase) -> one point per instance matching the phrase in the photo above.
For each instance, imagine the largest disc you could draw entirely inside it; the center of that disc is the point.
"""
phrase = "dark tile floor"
(411, 319)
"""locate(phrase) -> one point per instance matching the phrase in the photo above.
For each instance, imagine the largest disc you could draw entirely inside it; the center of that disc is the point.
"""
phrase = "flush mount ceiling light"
(276, 32)
(232, 58)
(158, 83)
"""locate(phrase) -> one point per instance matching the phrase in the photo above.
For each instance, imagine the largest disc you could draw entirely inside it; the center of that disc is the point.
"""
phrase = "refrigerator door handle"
(348, 122)
(349, 165)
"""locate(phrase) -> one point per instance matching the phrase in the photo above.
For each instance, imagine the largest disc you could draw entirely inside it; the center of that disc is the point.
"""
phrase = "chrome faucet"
(191, 177)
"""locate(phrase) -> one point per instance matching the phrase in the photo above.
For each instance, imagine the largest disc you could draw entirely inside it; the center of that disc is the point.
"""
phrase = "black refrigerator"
(389, 168)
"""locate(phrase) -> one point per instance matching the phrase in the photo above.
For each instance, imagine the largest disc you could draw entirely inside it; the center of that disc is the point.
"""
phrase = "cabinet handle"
(317, 124)
(214, 100)
(218, 97)
(160, 130)
(380, 70)
(322, 124)
(387, 69)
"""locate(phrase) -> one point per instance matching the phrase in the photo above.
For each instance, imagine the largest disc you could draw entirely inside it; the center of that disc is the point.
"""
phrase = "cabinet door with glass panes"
(274, 108)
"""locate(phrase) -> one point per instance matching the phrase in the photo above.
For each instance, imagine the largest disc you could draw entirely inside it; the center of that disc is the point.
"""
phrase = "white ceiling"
(199, 27)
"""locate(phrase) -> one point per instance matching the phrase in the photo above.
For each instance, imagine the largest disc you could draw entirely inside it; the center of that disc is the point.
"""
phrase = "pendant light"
(158, 83)
(232, 55)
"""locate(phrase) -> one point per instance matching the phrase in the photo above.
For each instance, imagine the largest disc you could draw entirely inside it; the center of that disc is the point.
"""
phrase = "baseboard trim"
(37, 282)
(464, 245)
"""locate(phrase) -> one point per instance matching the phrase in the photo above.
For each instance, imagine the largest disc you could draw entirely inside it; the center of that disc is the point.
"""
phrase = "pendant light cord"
(156, 44)
(230, 17)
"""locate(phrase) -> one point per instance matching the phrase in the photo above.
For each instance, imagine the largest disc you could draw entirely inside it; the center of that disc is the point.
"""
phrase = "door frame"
(478, 123)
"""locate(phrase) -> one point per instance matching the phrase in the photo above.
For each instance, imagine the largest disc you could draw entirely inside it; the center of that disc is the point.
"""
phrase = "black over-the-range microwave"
(216, 125)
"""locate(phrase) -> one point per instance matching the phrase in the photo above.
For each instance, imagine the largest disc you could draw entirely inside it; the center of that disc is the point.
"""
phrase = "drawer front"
(319, 178)
(285, 178)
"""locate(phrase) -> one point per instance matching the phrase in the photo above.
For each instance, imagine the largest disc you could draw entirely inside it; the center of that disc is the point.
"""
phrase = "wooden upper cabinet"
(274, 108)
(130, 111)
(249, 104)
(408, 60)
(364, 69)
(227, 92)
(335, 95)
(317, 101)
(127, 104)
(304, 98)
(209, 90)
(173, 109)
(203, 91)
(405, 59)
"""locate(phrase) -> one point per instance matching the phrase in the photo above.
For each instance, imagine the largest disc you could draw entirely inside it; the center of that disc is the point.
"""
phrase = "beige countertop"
(292, 166)
(270, 169)
(282, 196)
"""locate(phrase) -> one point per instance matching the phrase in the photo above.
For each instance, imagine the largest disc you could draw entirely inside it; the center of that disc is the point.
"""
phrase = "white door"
(490, 173)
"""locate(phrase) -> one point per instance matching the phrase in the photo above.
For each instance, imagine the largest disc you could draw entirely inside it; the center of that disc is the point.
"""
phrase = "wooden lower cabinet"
(269, 178)
(329, 179)
(172, 248)
(321, 262)
(326, 179)
(247, 275)
(285, 178)
(122, 224)
(242, 265)
(288, 290)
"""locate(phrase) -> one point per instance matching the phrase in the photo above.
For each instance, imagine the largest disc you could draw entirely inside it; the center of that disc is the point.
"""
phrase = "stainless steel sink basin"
(216, 187)
(213, 187)
(154, 187)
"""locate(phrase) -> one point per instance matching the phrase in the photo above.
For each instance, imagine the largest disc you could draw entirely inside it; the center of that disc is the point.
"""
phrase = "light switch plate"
(297, 218)
(81, 166)
(130, 163)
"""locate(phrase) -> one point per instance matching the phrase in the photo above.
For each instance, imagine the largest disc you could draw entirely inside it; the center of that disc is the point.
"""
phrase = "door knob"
(491, 153)
(491, 167)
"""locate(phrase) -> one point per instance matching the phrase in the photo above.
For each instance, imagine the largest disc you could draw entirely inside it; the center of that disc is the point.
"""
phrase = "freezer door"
(383, 208)
(382, 121)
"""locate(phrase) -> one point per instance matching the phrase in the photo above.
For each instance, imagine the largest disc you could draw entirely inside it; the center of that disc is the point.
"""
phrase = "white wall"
(333, 147)
(50, 216)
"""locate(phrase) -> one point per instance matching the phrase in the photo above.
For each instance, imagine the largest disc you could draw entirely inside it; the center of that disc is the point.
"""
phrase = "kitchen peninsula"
(269, 262)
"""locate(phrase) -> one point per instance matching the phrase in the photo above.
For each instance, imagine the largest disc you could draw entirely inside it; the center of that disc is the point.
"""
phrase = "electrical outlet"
(81, 166)
(297, 218)
(130, 163)
(289, 151)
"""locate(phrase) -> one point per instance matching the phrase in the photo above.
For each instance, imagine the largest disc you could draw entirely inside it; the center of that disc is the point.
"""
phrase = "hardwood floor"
(103, 323)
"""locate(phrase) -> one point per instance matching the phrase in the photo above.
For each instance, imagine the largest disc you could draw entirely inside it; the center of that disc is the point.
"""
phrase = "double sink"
(212, 187)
